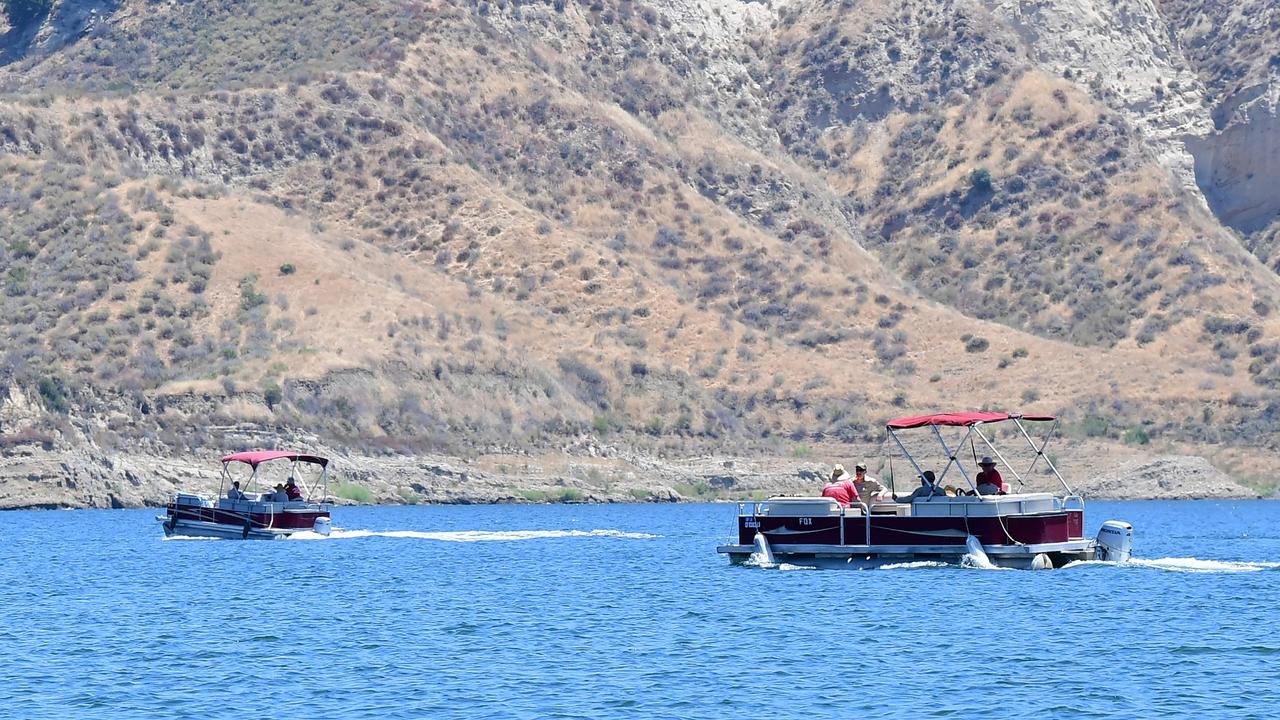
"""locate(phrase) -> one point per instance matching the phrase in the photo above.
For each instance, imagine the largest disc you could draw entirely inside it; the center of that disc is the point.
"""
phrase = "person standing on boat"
(291, 489)
(988, 480)
(841, 488)
(868, 487)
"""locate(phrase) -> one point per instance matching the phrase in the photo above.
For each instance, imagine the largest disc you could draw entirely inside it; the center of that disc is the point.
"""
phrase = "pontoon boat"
(936, 523)
(254, 513)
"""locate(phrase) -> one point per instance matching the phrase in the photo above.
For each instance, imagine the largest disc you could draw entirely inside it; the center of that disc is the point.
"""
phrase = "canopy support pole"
(905, 454)
(1003, 461)
(951, 456)
(1040, 452)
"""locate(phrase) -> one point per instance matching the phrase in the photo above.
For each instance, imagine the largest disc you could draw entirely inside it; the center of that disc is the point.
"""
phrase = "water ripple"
(623, 612)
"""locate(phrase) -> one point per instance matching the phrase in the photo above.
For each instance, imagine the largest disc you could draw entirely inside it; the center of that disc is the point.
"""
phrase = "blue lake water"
(624, 611)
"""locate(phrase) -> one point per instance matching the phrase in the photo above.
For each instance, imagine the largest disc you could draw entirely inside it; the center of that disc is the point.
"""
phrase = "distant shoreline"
(696, 501)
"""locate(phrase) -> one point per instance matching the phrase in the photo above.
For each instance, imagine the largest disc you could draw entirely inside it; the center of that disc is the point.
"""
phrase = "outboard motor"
(322, 526)
(1115, 541)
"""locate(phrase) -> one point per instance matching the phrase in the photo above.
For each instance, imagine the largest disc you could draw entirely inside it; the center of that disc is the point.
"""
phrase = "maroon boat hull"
(291, 520)
(1054, 527)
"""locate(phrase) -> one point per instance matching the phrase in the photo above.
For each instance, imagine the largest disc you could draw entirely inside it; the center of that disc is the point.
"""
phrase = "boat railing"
(866, 522)
(754, 508)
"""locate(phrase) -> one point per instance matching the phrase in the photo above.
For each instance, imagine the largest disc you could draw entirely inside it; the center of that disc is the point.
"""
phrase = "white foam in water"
(1086, 563)
(472, 535)
(186, 537)
(913, 565)
(1196, 565)
(979, 562)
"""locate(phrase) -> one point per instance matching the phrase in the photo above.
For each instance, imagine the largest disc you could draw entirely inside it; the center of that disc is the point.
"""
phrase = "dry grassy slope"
(521, 223)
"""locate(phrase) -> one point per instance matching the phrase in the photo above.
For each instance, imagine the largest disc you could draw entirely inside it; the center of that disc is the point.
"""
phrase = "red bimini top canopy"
(960, 419)
(253, 458)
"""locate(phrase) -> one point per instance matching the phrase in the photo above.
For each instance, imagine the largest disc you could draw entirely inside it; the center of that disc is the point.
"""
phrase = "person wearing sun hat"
(841, 488)
(988, 480)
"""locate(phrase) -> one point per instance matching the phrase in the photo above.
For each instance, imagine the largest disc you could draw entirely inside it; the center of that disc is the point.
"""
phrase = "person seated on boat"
(928, 488)
(841, 488)
(291, 490)
(276, 495)
(988, 480)
(869, 488)
(234, 493)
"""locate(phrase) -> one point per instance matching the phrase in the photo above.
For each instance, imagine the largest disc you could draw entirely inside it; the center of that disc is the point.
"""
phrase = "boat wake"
(466, 536)
(756, 561)
(1196, 565)
(1184, 565)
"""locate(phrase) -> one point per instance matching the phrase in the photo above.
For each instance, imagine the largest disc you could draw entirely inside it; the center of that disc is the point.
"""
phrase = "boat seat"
(801, 506)
(890, 508)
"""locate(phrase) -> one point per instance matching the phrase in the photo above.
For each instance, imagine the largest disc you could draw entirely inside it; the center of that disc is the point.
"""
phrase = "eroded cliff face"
(1238, 165)
(1234, 48)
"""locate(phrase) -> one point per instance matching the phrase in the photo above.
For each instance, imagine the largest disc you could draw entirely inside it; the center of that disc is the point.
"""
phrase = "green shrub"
(976, 344)
(802, 451)
(1136, 436)
(351, 491)
(1095, 426)
(288, 269)
(54, 394)
(250, 297)
(272, 395)
(980, 180)
(571, 495)
(600, 424)
(698, 489)
(534, 495)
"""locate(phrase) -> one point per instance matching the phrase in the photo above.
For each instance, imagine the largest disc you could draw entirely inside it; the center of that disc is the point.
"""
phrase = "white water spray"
(763, 554)
(975, 556)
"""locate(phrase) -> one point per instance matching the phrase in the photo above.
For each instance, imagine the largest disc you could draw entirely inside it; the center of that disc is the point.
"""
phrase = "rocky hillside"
(675, 227)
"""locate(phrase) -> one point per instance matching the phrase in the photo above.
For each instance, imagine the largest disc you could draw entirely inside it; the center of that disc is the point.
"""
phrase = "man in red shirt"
(291, 489)
(988, 480)
(841, 488)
